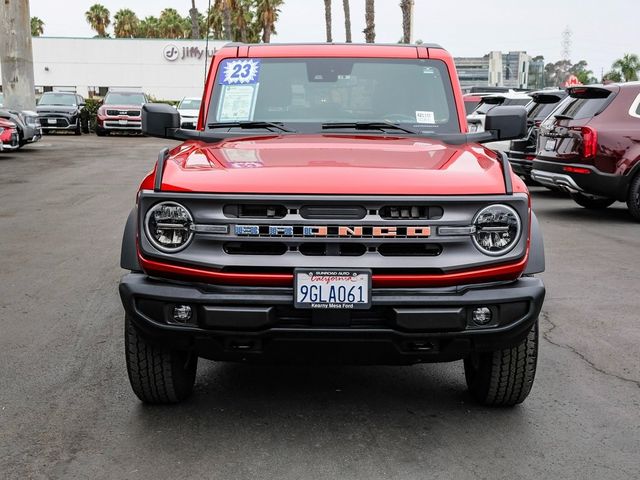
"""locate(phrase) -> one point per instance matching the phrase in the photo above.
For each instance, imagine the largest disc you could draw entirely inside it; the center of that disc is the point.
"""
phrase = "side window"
(634, 111)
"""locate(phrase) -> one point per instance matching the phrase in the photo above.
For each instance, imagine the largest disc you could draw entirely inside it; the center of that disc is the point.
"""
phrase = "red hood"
(332, 164)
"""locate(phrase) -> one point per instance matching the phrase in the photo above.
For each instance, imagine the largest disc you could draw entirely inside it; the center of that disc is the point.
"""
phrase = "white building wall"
(165, 68)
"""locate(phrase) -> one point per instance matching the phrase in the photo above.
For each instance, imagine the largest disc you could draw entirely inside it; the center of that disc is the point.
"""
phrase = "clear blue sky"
(602, 30)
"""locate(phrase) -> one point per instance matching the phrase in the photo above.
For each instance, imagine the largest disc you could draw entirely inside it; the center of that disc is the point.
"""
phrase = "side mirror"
(506, 123)
(160, 120)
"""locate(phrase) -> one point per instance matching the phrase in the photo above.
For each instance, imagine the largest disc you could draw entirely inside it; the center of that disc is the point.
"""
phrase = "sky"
(601, 31)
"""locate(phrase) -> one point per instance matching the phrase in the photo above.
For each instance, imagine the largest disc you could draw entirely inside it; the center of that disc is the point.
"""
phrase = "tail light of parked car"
(589, 141)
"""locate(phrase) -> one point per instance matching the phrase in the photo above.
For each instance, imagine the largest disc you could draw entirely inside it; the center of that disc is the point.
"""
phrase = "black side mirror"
(506, 123)
(160, 120)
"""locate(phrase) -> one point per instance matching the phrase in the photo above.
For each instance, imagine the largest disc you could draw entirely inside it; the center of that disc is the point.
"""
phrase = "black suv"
(63, 111)
(522, 152)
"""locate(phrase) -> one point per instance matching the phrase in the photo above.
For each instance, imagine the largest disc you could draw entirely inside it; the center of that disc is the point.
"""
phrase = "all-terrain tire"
(157, 375)
(503, 377)
(592, 202)
(633, 199)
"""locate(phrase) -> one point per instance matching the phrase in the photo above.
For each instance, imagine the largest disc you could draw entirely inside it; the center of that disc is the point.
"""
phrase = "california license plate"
(332, 289)
(550, 144)
(52, 121)
(123, 122)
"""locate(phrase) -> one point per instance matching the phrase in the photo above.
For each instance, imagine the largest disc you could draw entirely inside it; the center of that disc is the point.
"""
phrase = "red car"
(120, 112)
(8, 135)
(590, 146)
(331, 205)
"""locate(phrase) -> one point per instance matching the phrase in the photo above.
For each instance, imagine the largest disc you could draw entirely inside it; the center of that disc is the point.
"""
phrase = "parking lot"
(67, 411)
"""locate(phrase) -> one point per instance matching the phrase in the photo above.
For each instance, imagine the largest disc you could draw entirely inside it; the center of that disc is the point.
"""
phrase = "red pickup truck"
(332, 206)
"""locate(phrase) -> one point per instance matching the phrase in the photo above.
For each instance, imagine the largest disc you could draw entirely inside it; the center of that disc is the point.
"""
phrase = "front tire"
(157, 375)
(78, 130)
(503, 377)
(592, 202)
(633, 200)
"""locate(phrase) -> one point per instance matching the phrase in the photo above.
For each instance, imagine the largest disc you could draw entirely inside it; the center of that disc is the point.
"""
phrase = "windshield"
(189, 104)
(123, 98)
(61, 99)
(314, 91)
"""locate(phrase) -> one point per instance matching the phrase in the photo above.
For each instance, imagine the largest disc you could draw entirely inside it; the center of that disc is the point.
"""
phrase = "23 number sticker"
(240, 72)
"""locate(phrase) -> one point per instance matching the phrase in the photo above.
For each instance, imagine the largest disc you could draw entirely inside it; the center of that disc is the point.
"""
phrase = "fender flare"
(128, 251)
(536, 262)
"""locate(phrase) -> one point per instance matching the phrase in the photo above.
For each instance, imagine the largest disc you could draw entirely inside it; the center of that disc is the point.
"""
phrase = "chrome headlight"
(498, 229)
(168, 226)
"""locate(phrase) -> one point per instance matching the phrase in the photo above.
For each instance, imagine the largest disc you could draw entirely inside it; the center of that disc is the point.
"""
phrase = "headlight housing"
(168, 226)
(497, 229)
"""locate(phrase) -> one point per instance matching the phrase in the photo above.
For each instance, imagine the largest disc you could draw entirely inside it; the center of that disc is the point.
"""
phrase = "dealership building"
(167, 69)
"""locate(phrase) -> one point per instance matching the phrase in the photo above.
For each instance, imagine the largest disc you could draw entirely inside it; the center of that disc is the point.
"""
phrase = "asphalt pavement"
(67, 411)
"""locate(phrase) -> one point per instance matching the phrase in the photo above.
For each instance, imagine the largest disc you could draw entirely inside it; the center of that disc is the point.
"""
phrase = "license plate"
(332, 289)
(123, 122)
(550, 145)
(472, 127)
(52, 121)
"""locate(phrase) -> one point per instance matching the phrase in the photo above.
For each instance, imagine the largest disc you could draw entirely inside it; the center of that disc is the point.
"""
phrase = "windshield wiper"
(369, 126)
(251, 124)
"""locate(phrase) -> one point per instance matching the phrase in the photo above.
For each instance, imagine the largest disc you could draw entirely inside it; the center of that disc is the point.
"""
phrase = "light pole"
(16, 56)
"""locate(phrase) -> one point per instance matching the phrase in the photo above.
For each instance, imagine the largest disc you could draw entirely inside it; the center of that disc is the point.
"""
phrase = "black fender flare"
(128, 251)
(536, 262)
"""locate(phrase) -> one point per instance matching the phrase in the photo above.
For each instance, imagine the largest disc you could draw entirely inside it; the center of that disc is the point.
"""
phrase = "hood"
(122, 107)
(333, 164)
(56, 109)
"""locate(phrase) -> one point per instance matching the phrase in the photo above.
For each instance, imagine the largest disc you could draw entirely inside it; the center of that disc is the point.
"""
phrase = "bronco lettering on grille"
(329, 231)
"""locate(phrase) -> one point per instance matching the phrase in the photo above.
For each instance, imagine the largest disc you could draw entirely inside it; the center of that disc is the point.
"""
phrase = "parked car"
(590, 146)
(472, 100)
(120, 112)
(327, 210)
(522, 151)
(189, 110)
(9, 139)
(27, 124)
(63, 111)
(476, 118)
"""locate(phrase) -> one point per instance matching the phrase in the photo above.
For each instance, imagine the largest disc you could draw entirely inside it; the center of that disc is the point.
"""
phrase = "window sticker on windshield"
(237, 103)
(240, 72)
(425, 117)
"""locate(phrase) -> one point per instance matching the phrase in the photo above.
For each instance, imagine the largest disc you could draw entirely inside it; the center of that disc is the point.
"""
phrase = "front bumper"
(117, 124)
(13, 143)
(406, 325)
(520, 164)
(59, 123)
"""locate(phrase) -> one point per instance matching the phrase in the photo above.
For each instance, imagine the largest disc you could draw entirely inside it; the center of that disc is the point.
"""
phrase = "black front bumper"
(403, 325)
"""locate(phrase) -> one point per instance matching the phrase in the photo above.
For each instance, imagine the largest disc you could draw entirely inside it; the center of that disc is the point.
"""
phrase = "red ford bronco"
(331, 206)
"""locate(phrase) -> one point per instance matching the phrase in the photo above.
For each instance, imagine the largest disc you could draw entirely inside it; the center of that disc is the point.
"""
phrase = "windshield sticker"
(425, 117)
(239, 72)
(237, 103)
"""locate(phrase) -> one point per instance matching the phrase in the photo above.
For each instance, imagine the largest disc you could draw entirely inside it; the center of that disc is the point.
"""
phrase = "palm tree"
(612, 76)
(268, 11)
(369, 17)
(407, 13)
(628, 66)
(37, 27)
(226, 8)
(126, 23)
(149, 28)
(171, 23)
(195, 24)
(347, 20)
(327, 19)
(98, 17)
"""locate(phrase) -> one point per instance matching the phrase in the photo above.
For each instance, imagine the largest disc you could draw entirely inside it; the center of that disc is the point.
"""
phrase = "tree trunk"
(369, 16)
(347, 20)
(407, 17)
(226, 20)
(327, 19)
(195, 26)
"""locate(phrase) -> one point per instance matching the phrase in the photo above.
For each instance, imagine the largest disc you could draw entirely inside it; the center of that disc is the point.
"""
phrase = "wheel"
(503, 377)
(592, 202)
(78, 130)
(633, 200)
(100, 132)
(157, 375)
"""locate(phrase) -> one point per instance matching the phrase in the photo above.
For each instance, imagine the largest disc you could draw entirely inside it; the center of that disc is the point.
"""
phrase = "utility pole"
(16, 55)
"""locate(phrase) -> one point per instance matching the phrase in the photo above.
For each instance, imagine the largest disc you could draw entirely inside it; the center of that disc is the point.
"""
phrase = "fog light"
(182, 313)
(481, 315)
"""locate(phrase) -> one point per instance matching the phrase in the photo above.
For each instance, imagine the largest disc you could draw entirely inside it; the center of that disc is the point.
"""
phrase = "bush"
(92, 110)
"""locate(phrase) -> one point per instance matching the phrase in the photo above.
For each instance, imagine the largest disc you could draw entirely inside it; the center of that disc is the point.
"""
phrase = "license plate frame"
(356, 296)
(123, 122)
(52, 121)
(550, 145)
